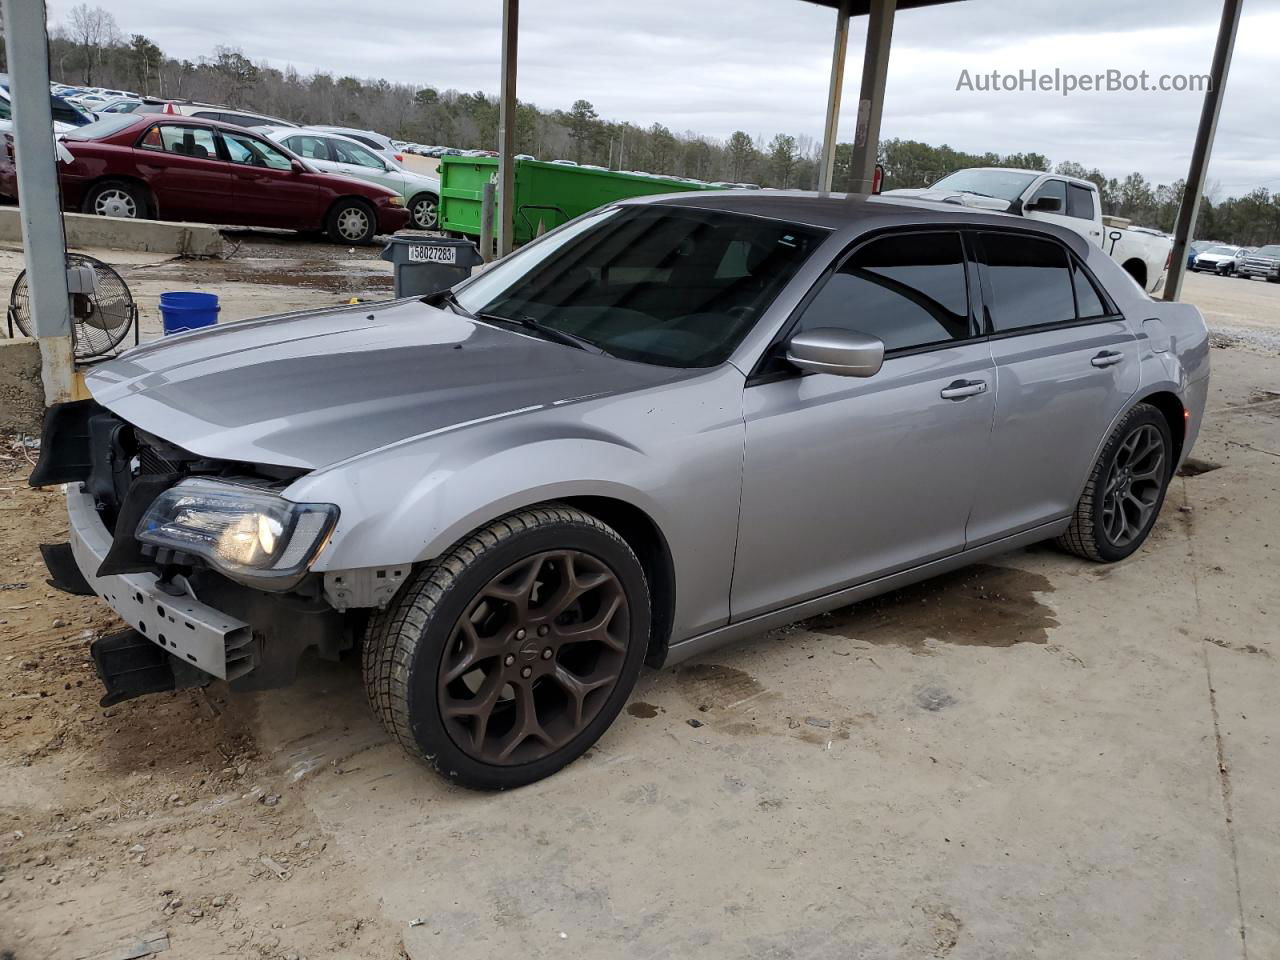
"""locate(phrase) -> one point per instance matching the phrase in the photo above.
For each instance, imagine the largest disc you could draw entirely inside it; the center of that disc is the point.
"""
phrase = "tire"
(351, 221)
(456, 664)
(424, 209)
(1094, 531)
(117, 198)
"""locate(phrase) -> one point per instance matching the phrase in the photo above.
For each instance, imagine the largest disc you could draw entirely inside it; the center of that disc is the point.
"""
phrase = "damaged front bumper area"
(189, 623)
(192, 631)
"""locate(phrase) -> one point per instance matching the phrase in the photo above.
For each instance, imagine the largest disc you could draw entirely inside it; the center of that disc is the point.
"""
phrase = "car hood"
(951, 196)
(310, 389)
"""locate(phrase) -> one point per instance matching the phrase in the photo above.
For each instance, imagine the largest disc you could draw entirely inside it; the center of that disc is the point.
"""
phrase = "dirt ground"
(1032, 757)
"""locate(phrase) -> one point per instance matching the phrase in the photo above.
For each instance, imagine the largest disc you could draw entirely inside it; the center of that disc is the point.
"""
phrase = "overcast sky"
(714, 66)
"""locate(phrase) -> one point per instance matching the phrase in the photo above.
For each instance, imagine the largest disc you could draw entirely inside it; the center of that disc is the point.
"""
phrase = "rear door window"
(195, 142)
(1080, 202)
(1030, 281)
(909, 290)
(1090, 304)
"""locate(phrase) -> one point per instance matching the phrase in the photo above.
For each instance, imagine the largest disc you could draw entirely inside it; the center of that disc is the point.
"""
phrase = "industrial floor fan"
(101, 315)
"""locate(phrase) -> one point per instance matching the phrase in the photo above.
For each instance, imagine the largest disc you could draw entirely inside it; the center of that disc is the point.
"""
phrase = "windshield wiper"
(548, 333)
(448, 298)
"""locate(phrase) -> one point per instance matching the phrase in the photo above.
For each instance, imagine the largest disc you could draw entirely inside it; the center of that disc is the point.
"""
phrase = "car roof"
(857, 213)
(187, 121)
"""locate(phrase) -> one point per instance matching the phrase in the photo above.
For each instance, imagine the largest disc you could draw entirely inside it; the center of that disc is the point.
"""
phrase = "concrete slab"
(115, 233)
(21, 391)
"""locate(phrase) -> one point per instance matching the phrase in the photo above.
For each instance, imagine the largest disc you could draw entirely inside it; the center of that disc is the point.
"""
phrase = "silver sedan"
(668, 424)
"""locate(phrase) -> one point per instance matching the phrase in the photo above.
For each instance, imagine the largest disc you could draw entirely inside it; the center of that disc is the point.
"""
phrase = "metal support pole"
(826, 172)
(875, 71)
(1191, 195)
(507, 127)
(486, 221)
(43, 242)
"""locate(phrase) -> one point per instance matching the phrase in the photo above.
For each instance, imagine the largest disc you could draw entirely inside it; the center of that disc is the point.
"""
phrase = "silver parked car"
(334, 153)
(670, 423)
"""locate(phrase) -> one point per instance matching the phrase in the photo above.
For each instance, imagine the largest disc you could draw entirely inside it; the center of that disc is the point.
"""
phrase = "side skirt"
(714, 639)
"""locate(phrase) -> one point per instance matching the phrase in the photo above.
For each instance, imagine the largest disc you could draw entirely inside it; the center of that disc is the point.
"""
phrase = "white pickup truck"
(1066, 201)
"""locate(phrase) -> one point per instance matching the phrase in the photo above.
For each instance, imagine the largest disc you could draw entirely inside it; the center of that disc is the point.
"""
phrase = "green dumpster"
(547, 194)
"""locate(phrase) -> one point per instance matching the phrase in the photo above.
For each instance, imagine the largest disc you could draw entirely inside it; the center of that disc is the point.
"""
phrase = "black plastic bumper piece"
(129, 665)
(64, 572)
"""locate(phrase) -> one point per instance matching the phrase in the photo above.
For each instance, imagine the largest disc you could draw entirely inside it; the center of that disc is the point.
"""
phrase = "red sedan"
(169, 167)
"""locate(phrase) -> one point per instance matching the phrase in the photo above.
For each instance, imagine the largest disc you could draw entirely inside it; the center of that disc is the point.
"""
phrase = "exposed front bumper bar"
(183, 626)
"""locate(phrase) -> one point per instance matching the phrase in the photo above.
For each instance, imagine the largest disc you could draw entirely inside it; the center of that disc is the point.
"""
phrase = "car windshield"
(1270, 250)
(1229, 251)
(666, 285)
(104, 126)
(1000, 184)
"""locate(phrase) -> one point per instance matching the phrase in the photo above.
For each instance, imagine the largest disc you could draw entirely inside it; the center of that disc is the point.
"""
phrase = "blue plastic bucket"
(188, 311)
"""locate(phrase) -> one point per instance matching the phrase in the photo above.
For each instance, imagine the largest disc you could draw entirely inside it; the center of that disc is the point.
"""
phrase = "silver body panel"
(774, 499)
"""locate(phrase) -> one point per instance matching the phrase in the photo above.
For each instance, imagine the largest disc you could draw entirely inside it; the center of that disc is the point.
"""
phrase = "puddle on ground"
(645, 711)
(1192, 467)
(979, 605)
(713, 685)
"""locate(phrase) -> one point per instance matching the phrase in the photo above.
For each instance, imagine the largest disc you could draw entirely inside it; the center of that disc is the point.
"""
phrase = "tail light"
(399, 158)
(877, 178)
(1168, 260)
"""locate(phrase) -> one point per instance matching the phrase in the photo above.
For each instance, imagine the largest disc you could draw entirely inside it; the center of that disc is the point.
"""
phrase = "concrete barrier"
(116, 233)
(21, 390)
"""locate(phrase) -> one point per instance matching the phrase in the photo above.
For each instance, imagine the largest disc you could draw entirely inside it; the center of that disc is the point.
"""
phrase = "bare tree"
(93, 30)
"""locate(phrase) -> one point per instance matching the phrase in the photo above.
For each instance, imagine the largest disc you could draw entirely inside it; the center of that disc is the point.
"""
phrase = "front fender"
(673, 452)
(416, 506)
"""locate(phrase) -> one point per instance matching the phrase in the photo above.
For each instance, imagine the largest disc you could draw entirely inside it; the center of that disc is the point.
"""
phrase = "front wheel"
(1126, 489)
(505, 659)
(351, 221)
(423, 209)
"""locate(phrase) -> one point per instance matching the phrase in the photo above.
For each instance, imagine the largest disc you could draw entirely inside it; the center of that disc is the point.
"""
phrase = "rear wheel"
(423, 208)
(1125, 490)
(351, 221)
(115, 198)
(506, 658)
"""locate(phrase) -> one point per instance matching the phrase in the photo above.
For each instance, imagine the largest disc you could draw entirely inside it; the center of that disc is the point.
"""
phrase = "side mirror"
(297, 166)
(1046, 205)
(843, 353)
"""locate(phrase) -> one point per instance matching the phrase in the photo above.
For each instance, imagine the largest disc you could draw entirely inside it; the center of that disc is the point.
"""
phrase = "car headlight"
(244, 531)
(396, 201)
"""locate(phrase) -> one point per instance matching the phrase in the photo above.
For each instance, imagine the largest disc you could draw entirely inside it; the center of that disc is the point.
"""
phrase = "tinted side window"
(908, 290)
(1030, 281)
(1089, 302)
(4, 109)
(1079, 202)
(1057, 189)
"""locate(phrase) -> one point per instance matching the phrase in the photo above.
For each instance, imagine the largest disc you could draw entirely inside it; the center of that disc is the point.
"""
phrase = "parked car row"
(1224, 259)
(176, 167)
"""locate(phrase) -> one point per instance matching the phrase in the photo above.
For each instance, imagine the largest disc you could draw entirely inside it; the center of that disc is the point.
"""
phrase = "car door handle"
(961, 389)
(1107, 358)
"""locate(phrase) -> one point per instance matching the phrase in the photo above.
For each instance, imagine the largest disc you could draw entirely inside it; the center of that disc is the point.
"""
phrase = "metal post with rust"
(508, 108)
(875, 72)
(1189, 211)
(826, 171)
(43, 241)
